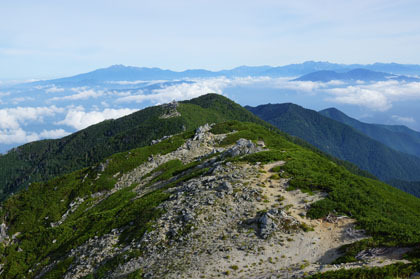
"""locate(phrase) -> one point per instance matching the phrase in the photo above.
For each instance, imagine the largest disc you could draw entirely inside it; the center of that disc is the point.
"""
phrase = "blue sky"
(46, 39)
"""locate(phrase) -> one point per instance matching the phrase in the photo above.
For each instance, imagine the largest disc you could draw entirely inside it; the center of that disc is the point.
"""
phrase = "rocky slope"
(223, 209)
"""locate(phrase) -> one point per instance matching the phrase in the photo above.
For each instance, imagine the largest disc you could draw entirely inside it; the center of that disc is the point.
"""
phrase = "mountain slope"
(397, 137)
(341, 141)
(45, 159)
(221, 201)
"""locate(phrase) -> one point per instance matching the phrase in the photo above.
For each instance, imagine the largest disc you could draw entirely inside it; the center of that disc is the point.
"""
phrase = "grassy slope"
(42, 160)
(389, 215)
(342, 141)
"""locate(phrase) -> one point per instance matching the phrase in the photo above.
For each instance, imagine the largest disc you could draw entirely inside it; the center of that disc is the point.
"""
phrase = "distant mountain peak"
(117, 66)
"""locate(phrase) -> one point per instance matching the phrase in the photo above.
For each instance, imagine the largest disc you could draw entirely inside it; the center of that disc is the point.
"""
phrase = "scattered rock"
(161, 139)
(3, 232)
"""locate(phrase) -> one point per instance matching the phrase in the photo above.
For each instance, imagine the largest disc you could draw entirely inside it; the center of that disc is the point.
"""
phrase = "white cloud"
(377, 96)
(3, 94)
(126, 82)
(217, 85)
(12, 118)
(54, 89)
(10, 136)
(104, 104)
(174, 92)
(53, 134)
(78, 118)
(121, 93)
(17, 136)
(403, 119)
(198, 87)
(306, 86)
(18, 100)
(82, 94)
(360, 96)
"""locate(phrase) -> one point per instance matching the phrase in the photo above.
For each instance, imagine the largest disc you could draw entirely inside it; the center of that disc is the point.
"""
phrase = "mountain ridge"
(398, 137)
(131, 73)
(342, 141)
(211, 202)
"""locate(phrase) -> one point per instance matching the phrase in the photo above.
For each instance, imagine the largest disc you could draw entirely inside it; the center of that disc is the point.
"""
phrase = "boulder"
(200, 132)
(266, 225)
(243, 147)
(226, 187)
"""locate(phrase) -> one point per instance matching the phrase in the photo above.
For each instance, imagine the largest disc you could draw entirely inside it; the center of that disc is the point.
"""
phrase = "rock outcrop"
(170, 110)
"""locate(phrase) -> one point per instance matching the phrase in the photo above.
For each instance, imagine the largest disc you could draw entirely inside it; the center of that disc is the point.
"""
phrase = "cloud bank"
(78, 118)
(11, 136)
(54, 89)
(82, 94)
(12, 118)
(185, 91)
(403, 119)
(87, 106)
(378, 96)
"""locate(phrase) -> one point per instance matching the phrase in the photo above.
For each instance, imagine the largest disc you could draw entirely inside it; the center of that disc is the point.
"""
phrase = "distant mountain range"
(128, 73)
(354, 75)
(347, 143)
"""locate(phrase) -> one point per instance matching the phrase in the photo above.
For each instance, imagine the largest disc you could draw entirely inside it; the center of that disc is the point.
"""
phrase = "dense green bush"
(398, 270)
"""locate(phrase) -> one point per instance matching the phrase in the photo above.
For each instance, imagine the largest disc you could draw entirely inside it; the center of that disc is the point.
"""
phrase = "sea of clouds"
(33, 112)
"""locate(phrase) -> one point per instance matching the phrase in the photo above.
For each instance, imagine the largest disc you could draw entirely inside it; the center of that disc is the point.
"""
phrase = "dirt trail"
(283, 254)
(314, 251)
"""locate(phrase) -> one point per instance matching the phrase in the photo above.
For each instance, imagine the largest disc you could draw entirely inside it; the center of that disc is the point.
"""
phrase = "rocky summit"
(221, 201)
